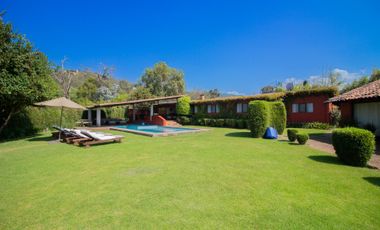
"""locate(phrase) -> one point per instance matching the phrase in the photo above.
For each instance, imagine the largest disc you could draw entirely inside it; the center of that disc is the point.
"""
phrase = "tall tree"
(213, 93)
(25, 74)
(375, 75)
(64, 77)
(162, 80)
(87, 91)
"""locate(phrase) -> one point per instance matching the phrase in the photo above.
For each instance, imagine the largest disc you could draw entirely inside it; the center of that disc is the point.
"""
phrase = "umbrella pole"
(60, 125)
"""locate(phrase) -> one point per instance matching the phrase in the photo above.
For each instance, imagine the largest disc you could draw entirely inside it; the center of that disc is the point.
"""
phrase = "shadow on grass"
(239, 134)
(326, 159)
(44, 138)
(373, 180)
(321, 137)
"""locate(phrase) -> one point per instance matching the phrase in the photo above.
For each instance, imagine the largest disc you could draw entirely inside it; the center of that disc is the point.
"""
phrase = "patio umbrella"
(60, 102)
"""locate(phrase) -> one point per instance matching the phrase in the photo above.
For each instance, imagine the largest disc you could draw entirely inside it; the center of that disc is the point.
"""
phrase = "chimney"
(201, 97)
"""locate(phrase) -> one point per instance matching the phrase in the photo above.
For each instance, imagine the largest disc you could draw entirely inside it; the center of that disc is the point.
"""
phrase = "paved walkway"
(323, 142)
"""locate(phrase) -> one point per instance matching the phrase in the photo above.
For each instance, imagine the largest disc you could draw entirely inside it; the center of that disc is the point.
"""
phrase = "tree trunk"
(7, 120)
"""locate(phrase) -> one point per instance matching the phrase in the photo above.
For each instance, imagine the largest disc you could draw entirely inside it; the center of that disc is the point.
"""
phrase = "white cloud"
(345, 75)
(234, 93)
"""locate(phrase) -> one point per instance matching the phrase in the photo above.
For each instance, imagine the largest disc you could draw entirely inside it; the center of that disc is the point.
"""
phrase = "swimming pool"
(154, 130)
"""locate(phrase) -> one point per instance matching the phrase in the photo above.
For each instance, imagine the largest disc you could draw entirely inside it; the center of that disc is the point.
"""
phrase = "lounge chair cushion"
(98, 136)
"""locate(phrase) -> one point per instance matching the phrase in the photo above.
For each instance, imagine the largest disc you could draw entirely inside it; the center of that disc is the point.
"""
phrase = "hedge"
(292, 134)
(302, 138)
(259, 117)
(183, 105)
(278, 116)
(353, 146)
(183, 120)
(310, 125)
(230, 123)
(34, 119)
(263, 114)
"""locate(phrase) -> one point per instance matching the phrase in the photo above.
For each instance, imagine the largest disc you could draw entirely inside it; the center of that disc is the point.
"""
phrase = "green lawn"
(215, 179)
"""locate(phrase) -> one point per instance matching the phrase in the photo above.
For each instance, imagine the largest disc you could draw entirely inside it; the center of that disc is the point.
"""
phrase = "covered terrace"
(162, 106)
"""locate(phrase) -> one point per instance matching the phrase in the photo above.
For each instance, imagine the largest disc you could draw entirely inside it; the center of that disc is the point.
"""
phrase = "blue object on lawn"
(271, 133)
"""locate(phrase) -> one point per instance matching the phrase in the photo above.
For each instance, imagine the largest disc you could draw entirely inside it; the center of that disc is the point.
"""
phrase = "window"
(295, 108)
(302, 108)
(241, 107)
(213, 108)
(309, 107)
(195, 109)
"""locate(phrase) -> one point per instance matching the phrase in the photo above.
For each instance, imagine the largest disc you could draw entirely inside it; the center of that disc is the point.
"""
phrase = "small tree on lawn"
(24, 74)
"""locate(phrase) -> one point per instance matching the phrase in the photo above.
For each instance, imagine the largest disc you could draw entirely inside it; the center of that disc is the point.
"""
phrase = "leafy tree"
(87, 91)
(213, 93)
(125, 86)
(64, 77)
(162, 80)
(355, 84)
(24, 74)
(375, 75)
(267, 89)
(140, 93)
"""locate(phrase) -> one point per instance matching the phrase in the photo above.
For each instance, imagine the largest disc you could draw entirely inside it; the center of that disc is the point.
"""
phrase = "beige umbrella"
(61, 102)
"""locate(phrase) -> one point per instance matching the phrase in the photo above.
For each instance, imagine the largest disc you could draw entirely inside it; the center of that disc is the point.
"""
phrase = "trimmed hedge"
(292, 134)
(311, 125)
(230, 123)
(259, 117)
(263, 114)
(302, 138)
(183, 105)
(183, 120)
(353, 146)
(278, 116)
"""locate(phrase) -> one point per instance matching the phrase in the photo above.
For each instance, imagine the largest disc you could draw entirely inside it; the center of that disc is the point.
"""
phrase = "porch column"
(151, 111)
(89, 115)
(98, 117)
(133, 112)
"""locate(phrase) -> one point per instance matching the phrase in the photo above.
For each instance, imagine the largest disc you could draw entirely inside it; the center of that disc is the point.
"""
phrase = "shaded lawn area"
(215, 179)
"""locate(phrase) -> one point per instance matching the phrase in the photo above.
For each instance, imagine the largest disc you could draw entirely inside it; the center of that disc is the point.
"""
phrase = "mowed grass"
(217, 179)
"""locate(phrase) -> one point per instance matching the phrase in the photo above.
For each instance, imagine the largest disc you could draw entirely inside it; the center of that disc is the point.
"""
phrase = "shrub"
(241, 124)
(278, 116)
(219, 122)
(183, 120)
(231, 123)
(292, 134)
(302, 138)
(34, 119)
(310, 125)
(335, 116)
(183, 105)
(201, 121)
(259, 117)
(353, 146)
(316, 125)
(212, 122)
(263, 114)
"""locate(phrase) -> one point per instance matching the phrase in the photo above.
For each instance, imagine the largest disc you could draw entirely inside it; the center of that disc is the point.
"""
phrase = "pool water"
(153, 128)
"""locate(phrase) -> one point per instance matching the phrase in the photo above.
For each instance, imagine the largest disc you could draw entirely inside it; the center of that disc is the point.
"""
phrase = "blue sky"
(230, 45)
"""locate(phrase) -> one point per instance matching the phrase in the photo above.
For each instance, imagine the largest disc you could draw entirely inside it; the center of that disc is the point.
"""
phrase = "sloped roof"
(368, 91)
(156, 99)
(267, 96)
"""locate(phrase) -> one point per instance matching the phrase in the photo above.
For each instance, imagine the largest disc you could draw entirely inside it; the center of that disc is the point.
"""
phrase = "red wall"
(320, 112)
(346, 111)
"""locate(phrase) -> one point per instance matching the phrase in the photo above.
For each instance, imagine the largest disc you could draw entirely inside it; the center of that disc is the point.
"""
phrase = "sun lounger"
(76, 137)
(98, 138)
(64, 132)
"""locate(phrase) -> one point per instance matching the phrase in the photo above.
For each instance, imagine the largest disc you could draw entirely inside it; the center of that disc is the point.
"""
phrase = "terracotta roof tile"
(370, 90)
